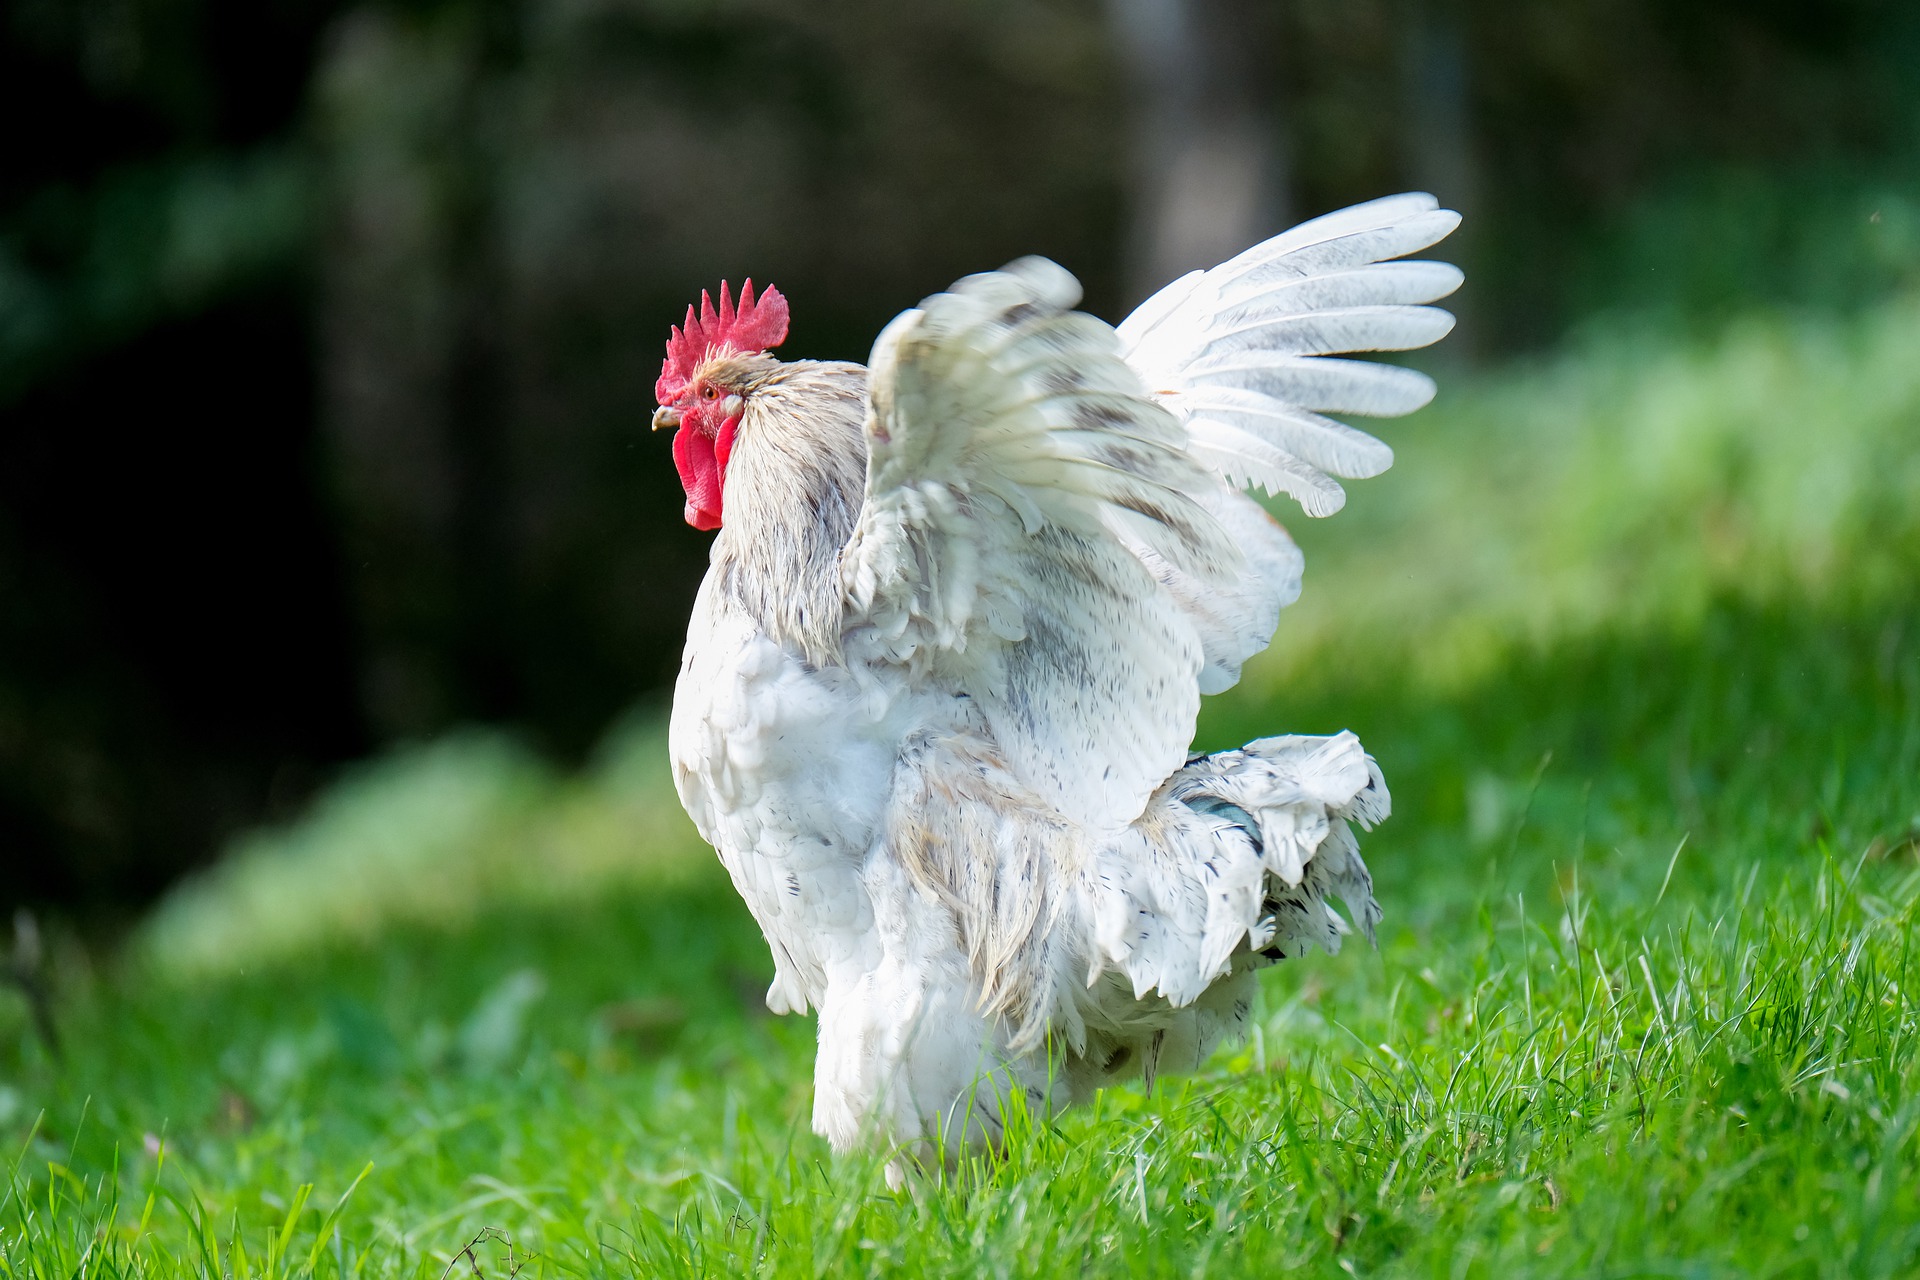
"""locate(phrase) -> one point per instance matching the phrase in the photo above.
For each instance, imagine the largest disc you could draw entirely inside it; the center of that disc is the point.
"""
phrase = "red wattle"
(700, 475)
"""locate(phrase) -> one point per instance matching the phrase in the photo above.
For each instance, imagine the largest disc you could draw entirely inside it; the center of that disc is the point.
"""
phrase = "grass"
(1644, 1003)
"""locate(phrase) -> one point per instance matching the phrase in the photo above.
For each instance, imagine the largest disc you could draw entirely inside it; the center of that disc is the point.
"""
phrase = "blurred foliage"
(1707, 246)
(163, 175)
(327, 329)
(173, 646)
(151, 243)
(1621, 486)
(432, 835)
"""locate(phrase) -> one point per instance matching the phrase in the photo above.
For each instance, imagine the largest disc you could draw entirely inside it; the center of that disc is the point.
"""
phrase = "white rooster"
(941, 678)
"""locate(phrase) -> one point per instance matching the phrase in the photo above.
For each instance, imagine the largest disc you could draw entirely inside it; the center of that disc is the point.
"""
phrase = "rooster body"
(941, 677)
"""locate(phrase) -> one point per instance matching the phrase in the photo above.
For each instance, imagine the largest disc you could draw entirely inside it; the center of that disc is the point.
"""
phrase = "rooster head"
(698, 396)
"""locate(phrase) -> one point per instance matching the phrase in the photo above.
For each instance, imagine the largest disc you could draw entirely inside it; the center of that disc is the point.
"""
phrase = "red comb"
(752, 326)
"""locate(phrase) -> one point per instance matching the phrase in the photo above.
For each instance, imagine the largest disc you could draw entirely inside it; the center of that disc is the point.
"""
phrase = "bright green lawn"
(1636, 636)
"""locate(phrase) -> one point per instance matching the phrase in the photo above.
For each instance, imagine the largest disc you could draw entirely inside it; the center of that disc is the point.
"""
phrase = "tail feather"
(1302, 795)
(1245, 850)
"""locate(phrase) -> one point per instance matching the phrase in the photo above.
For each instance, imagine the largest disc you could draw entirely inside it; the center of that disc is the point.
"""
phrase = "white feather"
(1247, 345)
(1040, 444)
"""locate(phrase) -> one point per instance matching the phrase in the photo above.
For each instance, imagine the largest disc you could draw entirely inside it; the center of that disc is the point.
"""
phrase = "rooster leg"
(907, 1060)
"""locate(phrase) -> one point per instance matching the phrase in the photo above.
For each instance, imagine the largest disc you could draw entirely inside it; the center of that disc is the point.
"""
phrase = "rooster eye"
(709, 393)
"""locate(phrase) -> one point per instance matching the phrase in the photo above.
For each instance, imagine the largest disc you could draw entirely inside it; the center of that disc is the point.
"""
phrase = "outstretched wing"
(1018, 481)
(1242, 353)
(1070, 552)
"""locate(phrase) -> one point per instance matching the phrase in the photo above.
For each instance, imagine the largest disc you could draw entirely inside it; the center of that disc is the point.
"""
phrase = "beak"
(666, 416)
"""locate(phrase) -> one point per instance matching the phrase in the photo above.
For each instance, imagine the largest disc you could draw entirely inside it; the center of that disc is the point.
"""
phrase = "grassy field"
(1635, 633)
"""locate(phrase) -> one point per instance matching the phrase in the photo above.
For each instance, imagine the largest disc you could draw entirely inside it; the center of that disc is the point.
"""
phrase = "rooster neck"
(794, 486)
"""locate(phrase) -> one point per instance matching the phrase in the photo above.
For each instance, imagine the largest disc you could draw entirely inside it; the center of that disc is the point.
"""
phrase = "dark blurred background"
(328, 328)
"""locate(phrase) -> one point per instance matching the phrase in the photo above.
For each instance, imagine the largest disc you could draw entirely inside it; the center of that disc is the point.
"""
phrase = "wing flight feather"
(1050, 524)
(1243, 353)
(1026, 502)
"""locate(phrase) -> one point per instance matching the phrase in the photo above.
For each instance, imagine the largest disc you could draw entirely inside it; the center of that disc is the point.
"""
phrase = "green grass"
(1644, 1003)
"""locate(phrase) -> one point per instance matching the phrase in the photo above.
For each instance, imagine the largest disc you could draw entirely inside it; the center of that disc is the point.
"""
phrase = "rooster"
(942, 674)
